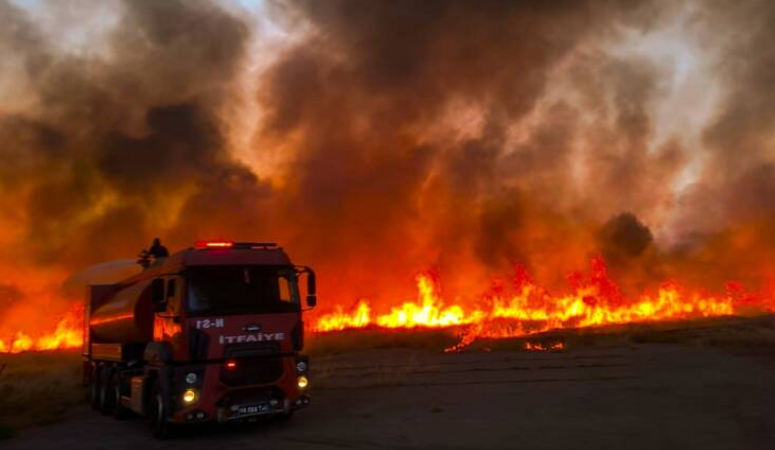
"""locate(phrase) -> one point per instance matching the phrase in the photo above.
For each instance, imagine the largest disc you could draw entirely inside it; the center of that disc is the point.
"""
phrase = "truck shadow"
(204, 431)
(237, 429)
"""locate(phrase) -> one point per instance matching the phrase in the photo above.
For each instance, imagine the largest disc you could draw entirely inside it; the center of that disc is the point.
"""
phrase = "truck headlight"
(191, 378)
(190, 396)
(301, 367)
(303, 382)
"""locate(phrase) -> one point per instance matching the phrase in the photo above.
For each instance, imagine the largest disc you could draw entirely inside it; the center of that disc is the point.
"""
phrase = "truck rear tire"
(118, 412)
(96, 403)
(157, 416)
(106, 395)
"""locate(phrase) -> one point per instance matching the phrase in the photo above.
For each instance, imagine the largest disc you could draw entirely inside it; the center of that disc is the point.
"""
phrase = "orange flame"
(595, 300)
(540, 347)
(68, 334)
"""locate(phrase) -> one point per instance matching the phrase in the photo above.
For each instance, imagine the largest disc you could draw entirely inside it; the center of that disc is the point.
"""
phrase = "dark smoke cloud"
(116, 146)
(457, 135)
(726, 222)
(367, 97)
(624, 236)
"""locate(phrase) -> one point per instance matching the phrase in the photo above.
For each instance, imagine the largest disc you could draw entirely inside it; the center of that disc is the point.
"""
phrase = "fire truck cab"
(211, 333)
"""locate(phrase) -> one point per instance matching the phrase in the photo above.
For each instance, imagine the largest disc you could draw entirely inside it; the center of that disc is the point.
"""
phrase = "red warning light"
(213, 244)
(231, 365)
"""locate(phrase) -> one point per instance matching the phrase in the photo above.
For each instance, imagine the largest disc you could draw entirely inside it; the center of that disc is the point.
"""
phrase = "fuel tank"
(125, 317)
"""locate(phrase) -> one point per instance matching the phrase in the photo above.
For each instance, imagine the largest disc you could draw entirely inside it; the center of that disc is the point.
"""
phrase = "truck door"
(167, 327)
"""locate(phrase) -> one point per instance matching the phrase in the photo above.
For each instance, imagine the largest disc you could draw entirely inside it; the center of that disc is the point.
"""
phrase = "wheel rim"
(95, 391)
(159, 413)
(117, 396)
(103, 393)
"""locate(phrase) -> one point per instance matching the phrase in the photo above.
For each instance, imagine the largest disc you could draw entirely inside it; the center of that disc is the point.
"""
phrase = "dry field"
(38, 389)
(681, 385)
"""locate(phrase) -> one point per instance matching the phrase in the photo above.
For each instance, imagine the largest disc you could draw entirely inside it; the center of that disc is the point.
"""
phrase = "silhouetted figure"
(157, 250)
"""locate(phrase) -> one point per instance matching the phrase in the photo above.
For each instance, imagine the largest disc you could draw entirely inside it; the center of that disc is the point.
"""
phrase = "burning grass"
(67, 334)
(521, 308)
(525, 308)
(734, 333)
(754, 333)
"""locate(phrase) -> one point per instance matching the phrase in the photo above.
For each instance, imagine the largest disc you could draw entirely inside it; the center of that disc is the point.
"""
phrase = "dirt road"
(643, 397)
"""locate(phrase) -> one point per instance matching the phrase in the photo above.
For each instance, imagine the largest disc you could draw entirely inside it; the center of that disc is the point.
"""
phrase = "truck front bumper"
(247, 409)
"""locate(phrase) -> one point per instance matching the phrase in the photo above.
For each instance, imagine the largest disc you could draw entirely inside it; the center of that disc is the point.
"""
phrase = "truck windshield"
(242, 290)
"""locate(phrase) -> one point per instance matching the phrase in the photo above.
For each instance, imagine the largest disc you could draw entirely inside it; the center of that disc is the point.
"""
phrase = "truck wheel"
(119, 412)
(106, 394)
(157, 417)
(96, 403)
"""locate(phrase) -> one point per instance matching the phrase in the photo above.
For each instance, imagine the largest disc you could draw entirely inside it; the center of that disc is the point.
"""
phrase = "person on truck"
(157, 250)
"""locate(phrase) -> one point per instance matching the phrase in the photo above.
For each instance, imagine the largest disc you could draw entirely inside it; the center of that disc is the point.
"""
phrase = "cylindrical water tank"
(127, 317)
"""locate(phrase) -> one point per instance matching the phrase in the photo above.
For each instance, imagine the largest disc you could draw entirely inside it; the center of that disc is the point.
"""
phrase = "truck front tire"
(157, 416)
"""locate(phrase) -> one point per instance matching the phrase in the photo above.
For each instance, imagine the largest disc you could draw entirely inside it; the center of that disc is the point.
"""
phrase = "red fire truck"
(211, 333)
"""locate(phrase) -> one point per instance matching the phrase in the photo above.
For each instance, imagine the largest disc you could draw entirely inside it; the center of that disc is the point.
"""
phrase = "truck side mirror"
(312, 298)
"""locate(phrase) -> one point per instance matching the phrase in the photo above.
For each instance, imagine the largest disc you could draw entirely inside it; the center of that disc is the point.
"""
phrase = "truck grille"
(253, 371)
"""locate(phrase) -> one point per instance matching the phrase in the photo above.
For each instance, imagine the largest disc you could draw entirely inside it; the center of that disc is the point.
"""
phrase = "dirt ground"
(636, 397)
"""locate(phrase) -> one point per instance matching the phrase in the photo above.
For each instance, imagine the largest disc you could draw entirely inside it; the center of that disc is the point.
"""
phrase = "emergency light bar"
(223, 244)
(213, 244)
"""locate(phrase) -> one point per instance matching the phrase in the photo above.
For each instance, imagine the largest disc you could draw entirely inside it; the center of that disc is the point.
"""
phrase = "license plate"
(253, 409)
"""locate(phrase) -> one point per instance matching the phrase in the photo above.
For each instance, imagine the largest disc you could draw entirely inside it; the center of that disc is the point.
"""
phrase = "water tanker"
(211, 333)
